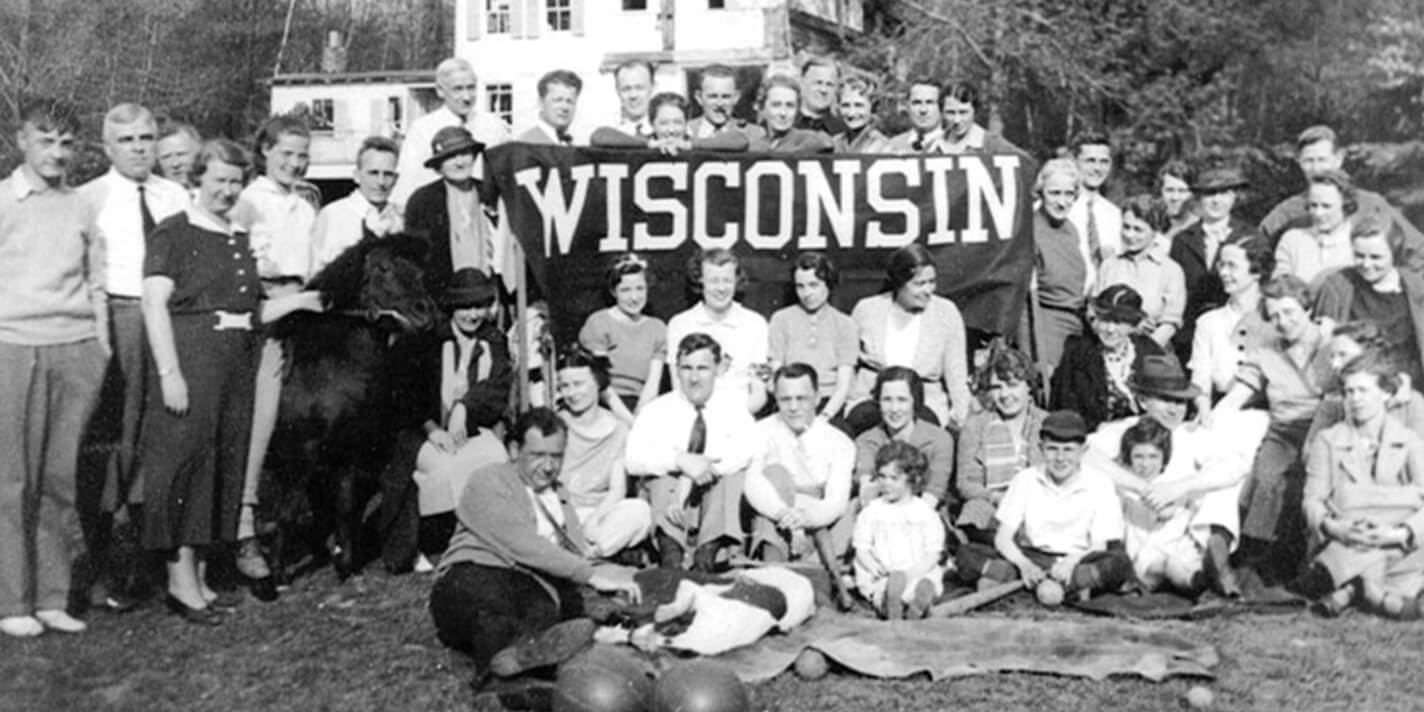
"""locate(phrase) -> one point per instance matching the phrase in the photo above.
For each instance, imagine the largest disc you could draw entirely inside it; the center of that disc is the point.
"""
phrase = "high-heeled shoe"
(196, 616)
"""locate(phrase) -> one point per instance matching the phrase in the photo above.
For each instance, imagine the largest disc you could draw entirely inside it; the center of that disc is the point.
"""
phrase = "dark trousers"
(1098, 572)
(480, 610)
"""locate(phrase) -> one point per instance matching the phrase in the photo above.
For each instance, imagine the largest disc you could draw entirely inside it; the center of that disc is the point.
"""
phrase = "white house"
(511, 43)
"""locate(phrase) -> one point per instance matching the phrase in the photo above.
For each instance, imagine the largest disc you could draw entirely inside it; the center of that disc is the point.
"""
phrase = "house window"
(716, 4)
(323, 114)
(497, 17)
(395, 113)
(501, 101)
(561, 15)
(635, 4)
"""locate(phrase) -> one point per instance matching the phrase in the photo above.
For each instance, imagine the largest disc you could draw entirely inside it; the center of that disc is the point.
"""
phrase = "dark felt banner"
(574, 210)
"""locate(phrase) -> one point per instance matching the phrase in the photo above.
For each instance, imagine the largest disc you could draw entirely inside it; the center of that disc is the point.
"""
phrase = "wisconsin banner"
(573, 210)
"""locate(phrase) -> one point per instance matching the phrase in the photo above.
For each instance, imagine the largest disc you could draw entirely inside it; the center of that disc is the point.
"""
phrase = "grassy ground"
(368, 644)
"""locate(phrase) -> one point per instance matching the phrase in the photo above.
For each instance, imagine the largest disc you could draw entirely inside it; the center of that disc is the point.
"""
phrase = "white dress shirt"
(280, 223)
(115, 200)
(662, 429)
(1108, 219)
(339, 226)
(415, 148)
(820, 461)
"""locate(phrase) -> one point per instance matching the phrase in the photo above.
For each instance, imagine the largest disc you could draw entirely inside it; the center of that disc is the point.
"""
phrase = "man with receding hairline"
(820, 77)
(458, 87)
(634, 82)
(129, 201)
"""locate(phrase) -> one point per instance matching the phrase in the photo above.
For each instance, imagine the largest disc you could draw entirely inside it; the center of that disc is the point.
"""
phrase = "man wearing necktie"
(692, 453)
(926, 121)
(558, 100)
(130, 201)
(1097, 220)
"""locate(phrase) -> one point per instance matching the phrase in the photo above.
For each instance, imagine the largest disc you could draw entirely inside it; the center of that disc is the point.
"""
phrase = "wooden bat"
(965, 604)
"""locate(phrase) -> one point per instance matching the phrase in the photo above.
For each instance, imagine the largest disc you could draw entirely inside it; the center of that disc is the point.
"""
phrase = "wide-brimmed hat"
(451, 141)
(469, 287)
(1163, 377)
(1064, 426)
(1212, 180)
(1119, 303)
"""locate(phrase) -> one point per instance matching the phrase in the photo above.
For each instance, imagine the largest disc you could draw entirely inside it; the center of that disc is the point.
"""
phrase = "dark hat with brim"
(469, 287)
(1215, 180)
(1163, 377)
(1119, 303)
(1064, 426)
(449, 142)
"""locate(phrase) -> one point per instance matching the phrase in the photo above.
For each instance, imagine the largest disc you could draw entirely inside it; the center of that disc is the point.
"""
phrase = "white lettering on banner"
(819, 197)
(979, 188)
(701, 230)
(784, 195)
(939, 167)
(560, 216)
(824, 194)
(875, 235)
(643, 239)
(613, 175)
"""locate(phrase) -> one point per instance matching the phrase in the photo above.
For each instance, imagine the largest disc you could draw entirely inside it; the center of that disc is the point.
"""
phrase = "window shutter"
(576, 17)
(516, 18)
(533, 17)
(474, 18)
(340, 117)
(378, 118)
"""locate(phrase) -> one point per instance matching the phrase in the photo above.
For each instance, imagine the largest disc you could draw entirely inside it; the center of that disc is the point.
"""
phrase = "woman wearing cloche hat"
(1094, 378)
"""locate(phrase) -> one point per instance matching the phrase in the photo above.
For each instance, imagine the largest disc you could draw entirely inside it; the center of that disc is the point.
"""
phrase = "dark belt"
(282, 280)
(124, 299)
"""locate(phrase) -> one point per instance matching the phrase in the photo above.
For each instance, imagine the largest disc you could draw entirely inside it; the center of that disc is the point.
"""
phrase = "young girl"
(899, 539)
(1186, 546)
(668, 112)
(1145, 266)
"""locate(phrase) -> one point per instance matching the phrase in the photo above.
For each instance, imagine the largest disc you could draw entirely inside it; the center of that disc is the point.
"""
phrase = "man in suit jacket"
(448, 213)
(558, 100)
(926, 129)
(1195, 249)
(717, 93)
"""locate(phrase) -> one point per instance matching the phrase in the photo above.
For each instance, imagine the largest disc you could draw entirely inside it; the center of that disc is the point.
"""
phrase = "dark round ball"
(602, 680)
(700, 686)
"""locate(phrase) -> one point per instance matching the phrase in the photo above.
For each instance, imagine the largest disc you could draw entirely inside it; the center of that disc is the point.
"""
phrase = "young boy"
(1060, 522)
(1184, 547)
(899, 539)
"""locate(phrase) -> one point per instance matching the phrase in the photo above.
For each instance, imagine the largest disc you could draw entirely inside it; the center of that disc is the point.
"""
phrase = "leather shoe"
(551, 646)
(264, 589)
(196, 616)
(226, 601)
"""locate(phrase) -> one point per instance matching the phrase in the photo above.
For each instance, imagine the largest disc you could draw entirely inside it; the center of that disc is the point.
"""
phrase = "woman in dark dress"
(1093, 376)
(201, 302)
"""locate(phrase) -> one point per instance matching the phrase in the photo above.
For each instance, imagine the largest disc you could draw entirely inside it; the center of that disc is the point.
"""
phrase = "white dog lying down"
(726, 612)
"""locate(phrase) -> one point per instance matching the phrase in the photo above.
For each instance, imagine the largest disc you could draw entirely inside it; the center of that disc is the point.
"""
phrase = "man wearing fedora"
(1058, 521)
(448, 212)
(1195, 248)
(368, 210)
(1195, 496)
(1318, 150)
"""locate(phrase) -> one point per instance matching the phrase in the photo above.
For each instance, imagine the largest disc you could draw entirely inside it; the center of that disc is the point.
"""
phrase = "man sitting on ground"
(801, 490)
(693, 451)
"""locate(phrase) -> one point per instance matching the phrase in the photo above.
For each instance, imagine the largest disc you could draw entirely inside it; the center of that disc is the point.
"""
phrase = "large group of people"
(1193, 403)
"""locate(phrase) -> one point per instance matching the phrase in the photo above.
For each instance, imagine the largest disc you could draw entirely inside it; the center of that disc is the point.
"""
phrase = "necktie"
(565, 139)
(1095, 244)
(148, 221)
(697, 441)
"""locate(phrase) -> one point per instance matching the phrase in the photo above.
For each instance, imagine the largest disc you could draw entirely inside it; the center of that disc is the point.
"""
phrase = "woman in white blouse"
(1325, 245)
(1225, 334)
(909, 325)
